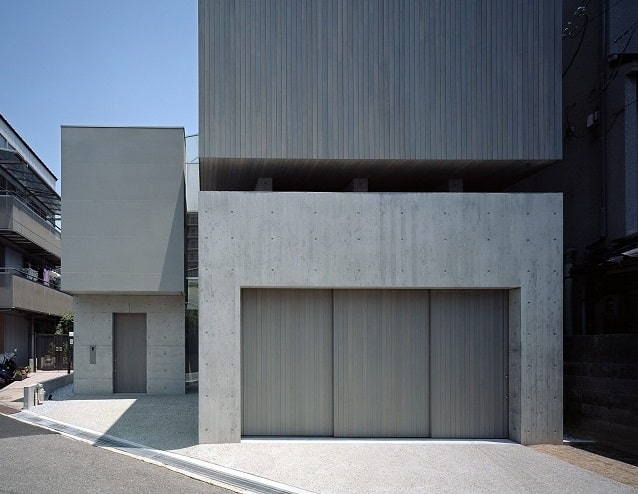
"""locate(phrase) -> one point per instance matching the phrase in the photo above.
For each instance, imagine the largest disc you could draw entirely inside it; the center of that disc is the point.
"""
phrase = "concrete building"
(30, 296)
(123, 202)
(388, 310)
(360, 270)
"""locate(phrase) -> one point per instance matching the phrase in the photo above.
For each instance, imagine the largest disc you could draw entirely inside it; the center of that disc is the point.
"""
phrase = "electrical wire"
(596, 95)
(617, 113)
(626, 31)
(572, 34)
(606, 10)
(580, 44)
(614, 72)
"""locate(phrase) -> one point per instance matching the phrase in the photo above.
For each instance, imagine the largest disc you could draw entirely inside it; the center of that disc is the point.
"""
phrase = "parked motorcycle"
(7, 367)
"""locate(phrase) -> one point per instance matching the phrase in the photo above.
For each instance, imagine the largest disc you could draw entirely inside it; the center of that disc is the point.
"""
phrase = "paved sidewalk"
(333, 466)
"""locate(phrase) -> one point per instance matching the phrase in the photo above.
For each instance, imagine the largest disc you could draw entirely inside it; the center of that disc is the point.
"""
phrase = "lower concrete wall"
(601, 389)
(370, 240)
(164, 339)
(30, 399)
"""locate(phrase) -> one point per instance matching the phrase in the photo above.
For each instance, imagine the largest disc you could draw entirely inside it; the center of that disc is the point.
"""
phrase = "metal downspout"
(603, 125)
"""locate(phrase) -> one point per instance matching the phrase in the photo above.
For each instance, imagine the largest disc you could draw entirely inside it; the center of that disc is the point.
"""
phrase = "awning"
(20, 170)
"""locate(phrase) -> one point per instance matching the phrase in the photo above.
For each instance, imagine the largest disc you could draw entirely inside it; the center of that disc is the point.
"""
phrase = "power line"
(580, 43)
(614, 72)
(617, 113)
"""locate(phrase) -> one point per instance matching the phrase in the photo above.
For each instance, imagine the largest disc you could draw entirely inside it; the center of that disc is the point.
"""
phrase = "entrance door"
(129, 355)
(468, 363)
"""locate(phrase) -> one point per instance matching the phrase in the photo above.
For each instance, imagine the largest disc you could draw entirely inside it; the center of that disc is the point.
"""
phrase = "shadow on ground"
(159, 422)
(13, 428)
(608, 452)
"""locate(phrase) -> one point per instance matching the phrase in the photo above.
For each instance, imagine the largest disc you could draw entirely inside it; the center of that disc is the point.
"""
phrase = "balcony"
(25, 226)
(22, 290)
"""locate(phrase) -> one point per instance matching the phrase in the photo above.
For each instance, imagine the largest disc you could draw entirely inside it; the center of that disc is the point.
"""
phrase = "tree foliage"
(65, 325)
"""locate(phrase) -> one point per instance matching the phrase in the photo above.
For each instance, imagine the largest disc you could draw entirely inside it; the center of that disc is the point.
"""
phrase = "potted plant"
(21, 373)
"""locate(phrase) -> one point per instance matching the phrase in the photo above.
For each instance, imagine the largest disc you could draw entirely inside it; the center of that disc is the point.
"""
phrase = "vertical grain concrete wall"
(380, 79)
(366, 240)
(123, 247)
(164, 341)
(123, 208)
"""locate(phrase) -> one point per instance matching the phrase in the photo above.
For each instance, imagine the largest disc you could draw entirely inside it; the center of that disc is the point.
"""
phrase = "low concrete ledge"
(50, 386)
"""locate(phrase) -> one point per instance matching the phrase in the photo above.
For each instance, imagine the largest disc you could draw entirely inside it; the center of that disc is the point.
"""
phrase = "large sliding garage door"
(374, 363)
(286, 355)
(381, 363)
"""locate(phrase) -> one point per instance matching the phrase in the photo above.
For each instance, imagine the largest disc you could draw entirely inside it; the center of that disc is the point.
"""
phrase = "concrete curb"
(30, 399)
(228, 478)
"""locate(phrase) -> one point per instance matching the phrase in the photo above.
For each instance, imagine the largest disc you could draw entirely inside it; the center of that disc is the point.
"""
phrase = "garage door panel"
(381, 363)
(374, 363)
(287, 362)
(468, 364)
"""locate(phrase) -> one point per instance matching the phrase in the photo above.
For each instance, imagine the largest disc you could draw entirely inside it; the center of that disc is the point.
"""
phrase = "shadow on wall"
(172, 272)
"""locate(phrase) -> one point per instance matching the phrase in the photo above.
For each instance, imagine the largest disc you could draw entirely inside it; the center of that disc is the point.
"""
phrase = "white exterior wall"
(123, 208)
(164, 341)
(366, 240)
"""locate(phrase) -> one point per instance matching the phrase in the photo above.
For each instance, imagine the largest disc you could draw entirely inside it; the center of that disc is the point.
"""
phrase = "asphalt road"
(33, 459)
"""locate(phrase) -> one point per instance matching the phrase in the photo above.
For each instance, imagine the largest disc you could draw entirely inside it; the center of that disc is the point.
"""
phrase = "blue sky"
(87, 62)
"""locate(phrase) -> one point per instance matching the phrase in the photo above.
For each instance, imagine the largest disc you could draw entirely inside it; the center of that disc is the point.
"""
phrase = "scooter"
(7, 367)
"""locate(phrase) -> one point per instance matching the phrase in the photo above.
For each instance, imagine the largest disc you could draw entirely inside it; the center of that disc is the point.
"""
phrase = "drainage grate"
(235, 478)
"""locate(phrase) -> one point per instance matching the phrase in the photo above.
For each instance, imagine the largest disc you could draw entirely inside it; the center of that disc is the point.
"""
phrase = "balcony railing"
(37, 214)
(50, 278)
(22, 289)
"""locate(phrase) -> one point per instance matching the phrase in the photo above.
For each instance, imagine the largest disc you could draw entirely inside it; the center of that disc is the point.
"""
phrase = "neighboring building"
(30, 296)
(359, 270)
(192, 302)
(123, 203)
(599, 179)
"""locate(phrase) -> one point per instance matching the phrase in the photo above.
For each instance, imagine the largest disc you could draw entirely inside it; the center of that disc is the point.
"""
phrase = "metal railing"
(30, 274)
(38, 215)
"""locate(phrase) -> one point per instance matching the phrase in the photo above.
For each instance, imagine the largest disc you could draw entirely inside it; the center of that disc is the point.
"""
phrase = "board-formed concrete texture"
(384, 240)
(123, 207)
(164, 341)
